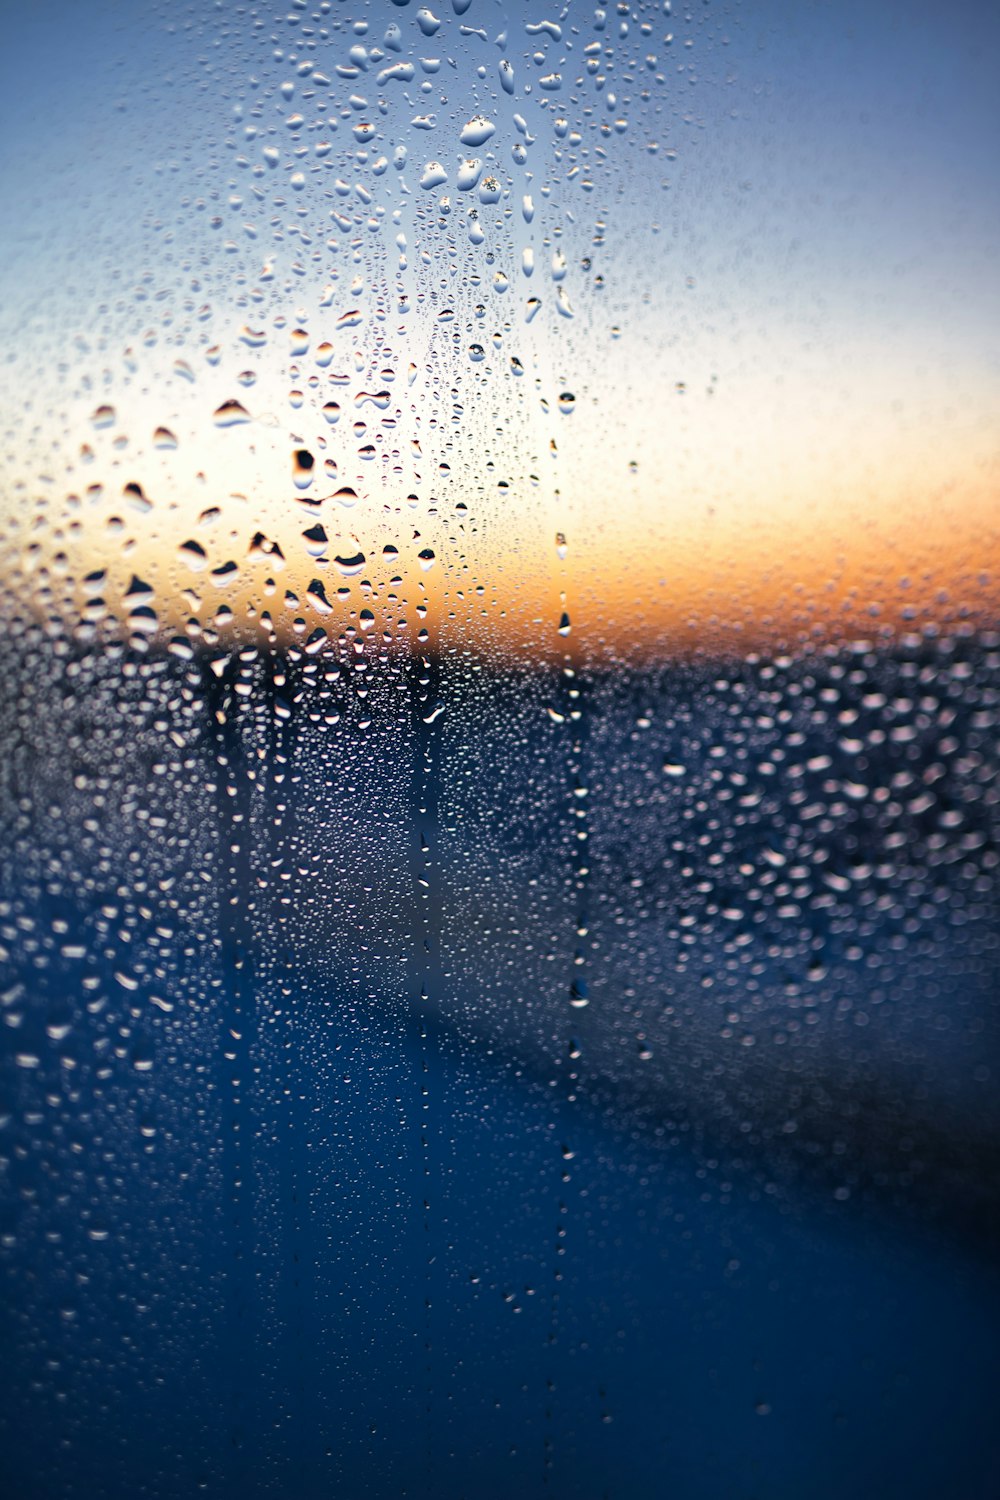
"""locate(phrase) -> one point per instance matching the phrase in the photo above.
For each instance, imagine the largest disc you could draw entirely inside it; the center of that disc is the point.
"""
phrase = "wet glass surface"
(499, 886)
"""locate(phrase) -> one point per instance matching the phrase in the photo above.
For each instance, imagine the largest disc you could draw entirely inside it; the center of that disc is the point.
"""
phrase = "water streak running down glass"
(499, 781)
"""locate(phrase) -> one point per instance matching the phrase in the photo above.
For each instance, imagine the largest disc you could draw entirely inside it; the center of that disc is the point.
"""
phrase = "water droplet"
(303, 464)
(194, 555)
(136, 498)
(315, 540)
(316, 594)
(350, 564)
(433, 176)
(401, 71)
(477, 131)
(469, 173)
(230, 414)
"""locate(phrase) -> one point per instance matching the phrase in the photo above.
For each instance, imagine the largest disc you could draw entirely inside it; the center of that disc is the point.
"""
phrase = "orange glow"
(726, 525)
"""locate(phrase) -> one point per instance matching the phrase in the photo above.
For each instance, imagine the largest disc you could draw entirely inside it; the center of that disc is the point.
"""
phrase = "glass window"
(498, 899)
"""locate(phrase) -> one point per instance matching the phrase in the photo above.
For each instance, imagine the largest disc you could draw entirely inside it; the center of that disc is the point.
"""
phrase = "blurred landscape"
(305, 1031)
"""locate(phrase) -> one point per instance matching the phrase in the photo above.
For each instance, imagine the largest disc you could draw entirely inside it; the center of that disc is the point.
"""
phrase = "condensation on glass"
(499, 779)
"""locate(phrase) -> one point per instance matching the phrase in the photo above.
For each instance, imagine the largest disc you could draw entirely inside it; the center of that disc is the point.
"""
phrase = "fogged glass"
(499, 777)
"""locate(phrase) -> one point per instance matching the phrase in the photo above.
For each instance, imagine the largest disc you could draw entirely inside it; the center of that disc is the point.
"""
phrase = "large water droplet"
(230, 414)
(303, 465)
(477, 131)
(469, 173)
(433, 176)
(350, 563)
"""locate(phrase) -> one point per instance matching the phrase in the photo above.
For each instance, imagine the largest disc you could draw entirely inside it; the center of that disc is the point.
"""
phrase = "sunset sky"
(758, 395)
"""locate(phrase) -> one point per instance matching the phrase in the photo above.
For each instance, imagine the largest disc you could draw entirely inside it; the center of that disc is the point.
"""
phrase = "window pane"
(499, 778)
